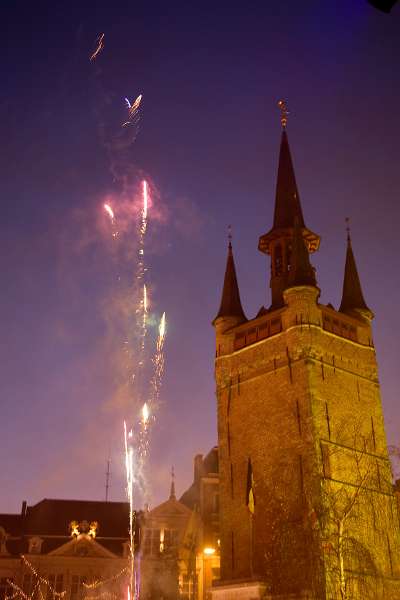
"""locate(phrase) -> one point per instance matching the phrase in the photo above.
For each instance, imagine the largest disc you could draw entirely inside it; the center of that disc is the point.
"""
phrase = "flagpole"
(251, 545)
(251, 502)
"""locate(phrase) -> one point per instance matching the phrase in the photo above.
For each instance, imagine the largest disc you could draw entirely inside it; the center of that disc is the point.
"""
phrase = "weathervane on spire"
(284, 113)
(347, 219)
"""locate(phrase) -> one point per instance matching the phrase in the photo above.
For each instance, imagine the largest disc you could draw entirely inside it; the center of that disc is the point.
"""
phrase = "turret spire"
(231, 305)
(352, 296)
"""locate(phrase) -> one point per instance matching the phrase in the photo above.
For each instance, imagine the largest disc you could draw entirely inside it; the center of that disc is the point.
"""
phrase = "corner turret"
(230, 311)
(353, 302)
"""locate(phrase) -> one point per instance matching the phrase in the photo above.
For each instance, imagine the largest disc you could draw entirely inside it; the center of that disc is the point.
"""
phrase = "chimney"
(23, 509)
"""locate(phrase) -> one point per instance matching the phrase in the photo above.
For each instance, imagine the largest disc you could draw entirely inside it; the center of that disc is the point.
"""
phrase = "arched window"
(289, 256)
(278, 265)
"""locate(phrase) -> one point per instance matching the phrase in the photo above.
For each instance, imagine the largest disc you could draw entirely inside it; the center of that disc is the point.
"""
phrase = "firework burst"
(133, 111)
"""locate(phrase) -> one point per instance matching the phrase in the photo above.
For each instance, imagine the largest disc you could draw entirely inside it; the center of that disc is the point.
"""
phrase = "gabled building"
(67, 545)
(180, 550)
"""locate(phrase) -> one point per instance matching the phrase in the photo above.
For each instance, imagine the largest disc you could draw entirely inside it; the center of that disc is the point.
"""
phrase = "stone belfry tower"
(299, 404)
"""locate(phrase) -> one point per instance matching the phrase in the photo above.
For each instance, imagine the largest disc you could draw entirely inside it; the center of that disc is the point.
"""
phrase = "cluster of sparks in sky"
(144, 377)
(144, 394)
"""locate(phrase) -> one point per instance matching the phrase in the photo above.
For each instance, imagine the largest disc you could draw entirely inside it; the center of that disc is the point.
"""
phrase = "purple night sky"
(211, 75)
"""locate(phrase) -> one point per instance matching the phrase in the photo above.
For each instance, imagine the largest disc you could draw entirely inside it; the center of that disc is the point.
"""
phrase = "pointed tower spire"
(172, 490)
(352, 296)
(278, 241)
(301, 271)
(287, 200)
(231, 305)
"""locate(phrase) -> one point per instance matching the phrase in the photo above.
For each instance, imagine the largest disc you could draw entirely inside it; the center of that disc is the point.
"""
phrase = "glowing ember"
(145, 414)
(109, 211)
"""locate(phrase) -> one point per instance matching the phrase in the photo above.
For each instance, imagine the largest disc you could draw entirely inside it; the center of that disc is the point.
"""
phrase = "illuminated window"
(5, 588)
(187, 587)
(27, 584)
(289, 256)
(77, 588)
(35, 545)
(56, 583)
(170, 538)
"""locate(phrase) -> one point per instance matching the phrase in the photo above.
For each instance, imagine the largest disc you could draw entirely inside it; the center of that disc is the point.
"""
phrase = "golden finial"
(284, 113)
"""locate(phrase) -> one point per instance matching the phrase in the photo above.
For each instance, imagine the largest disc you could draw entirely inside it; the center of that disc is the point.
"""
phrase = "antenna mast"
(108, 476)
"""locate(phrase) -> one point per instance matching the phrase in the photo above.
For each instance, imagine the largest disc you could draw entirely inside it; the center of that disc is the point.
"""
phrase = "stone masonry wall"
(281, 402)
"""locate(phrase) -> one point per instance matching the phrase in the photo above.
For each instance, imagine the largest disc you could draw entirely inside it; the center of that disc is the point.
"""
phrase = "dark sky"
(210, 75)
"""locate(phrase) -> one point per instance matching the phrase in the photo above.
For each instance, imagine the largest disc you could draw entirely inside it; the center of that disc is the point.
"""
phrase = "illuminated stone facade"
(298, 394)
(180, 550)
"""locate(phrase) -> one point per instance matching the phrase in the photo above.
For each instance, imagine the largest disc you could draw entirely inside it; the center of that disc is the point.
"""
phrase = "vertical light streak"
(145, 415)
(129, 490)
(143, 303)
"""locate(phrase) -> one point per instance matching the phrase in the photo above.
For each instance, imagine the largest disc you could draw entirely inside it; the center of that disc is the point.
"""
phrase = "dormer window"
(35, 545)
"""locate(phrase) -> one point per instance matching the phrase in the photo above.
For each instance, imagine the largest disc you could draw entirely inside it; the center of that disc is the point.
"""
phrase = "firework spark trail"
(100, 46)
(141, 310)
(129, 490)
(135, 106)
(158, 362)
(149, 408)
